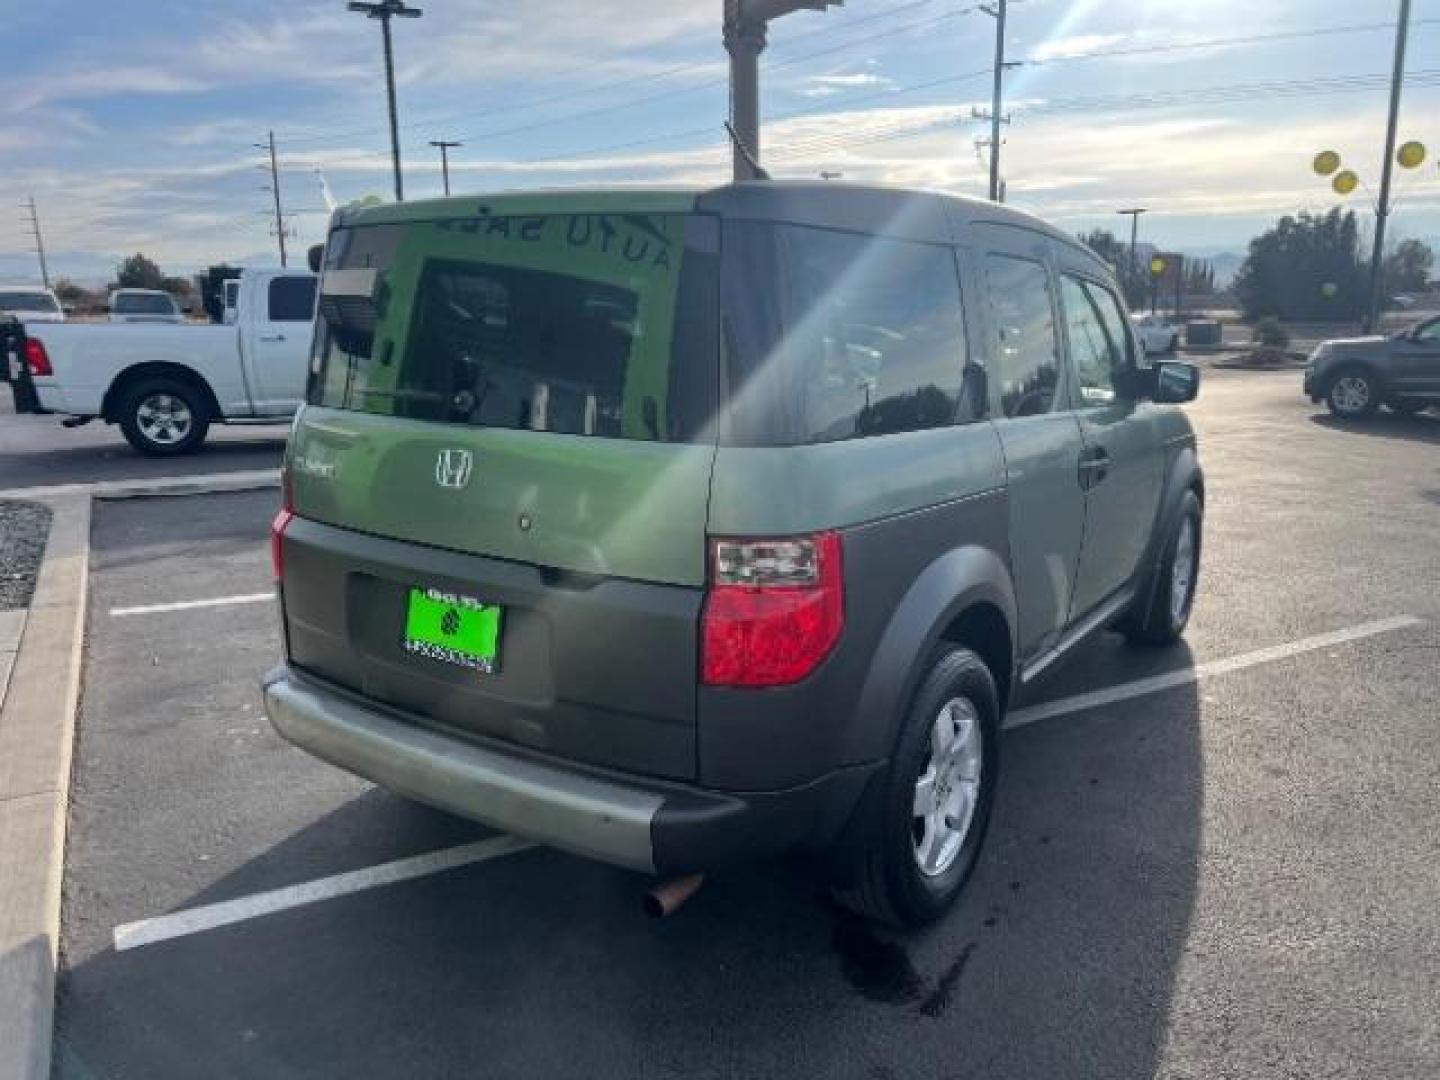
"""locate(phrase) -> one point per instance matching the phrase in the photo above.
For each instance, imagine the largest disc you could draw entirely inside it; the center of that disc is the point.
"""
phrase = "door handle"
(272, 337)
(1094, 466)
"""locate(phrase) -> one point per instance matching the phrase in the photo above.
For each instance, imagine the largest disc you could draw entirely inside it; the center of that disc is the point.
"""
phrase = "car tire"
(1407, 408)
(1353, 392)
(1171, 595)
(886, 880)
(164, 417)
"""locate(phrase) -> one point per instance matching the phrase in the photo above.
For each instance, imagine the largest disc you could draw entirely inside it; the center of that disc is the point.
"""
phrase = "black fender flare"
(1182, 473)
(960, 579)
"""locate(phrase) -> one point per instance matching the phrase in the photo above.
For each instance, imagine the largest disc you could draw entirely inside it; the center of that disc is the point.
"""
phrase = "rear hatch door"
(502, 484)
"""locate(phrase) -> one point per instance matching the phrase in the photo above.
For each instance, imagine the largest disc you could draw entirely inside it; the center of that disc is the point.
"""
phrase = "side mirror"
(316, 258)
(1173, 382)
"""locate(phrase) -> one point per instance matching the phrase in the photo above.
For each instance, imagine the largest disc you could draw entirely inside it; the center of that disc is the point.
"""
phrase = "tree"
(1306, 267)
(138, 272)
(1133, 279)
(67, 292)
(1407, 268)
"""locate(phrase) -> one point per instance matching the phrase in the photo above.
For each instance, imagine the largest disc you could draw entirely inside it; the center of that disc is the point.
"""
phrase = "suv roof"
(869, 208)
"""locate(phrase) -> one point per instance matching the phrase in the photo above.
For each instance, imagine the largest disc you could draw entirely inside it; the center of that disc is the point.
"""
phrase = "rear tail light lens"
(278, 525)
(774, 611)
(37, 358)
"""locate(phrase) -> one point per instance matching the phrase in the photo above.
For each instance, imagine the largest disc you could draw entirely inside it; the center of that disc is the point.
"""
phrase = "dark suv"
(674, 528)
(1355, 376)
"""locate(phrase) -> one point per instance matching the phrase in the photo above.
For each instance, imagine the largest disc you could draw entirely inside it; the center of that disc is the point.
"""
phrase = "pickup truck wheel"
(163, 417)
(1166, 613)
(1353, 392)
(923, 821)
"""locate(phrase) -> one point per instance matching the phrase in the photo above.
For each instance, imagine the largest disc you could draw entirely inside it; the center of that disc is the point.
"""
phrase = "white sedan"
(1157, 333)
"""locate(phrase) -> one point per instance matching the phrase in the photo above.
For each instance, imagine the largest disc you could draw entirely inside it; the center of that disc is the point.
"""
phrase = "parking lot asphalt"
(35, 451)
(1238, 876)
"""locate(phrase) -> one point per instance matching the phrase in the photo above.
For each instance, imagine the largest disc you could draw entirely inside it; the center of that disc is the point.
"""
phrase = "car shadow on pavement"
(1059, 961)
(1386, 425)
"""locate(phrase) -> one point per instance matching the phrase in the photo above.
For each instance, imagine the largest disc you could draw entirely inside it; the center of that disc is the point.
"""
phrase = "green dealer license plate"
(453, 629)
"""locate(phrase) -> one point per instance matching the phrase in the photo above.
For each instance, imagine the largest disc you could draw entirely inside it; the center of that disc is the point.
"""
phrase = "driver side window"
(1099, 345)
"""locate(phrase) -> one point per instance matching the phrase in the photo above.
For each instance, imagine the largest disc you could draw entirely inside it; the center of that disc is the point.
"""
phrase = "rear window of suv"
(580, 324)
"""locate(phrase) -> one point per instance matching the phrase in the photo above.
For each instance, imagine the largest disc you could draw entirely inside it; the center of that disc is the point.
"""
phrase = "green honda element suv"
(674, 528)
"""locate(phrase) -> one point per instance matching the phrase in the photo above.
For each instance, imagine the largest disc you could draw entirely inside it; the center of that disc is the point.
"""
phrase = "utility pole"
(745, 24)
(997, 11)
(275, 190)
(1382, 209)
(385, 10)
(39, 240)
(1134, 214)
(445, 148)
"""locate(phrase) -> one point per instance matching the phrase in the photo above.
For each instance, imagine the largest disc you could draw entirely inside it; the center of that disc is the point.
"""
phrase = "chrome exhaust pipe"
(667, 897)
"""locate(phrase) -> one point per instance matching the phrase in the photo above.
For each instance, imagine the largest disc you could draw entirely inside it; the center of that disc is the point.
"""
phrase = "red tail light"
(37, 357)
(278, 525)
(774, 611)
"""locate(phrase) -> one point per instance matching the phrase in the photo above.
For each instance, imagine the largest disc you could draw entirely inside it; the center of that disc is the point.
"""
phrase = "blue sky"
(132, 122)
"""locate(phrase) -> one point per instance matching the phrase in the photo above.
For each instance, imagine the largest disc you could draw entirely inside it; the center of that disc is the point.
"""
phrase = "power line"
(592, 91)
(1210, 95)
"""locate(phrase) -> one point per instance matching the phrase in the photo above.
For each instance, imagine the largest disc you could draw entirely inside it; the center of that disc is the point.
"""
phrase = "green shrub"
(1270, 334)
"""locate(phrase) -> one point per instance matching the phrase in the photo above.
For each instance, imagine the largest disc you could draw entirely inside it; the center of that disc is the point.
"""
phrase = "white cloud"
(818, 86)
(96, 82)
(1068, 48)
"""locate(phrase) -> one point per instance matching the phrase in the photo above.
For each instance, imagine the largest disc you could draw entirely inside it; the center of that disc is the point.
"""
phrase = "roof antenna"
(755, 166)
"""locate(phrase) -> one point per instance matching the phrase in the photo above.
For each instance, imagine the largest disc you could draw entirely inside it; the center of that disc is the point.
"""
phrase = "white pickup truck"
(165, 385)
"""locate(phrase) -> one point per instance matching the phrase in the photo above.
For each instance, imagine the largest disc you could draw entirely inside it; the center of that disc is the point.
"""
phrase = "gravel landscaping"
(23, 529)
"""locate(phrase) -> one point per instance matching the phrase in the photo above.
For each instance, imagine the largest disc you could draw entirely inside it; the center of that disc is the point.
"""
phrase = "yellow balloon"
(1345, 182)
(1411, 155)
(1326, 162)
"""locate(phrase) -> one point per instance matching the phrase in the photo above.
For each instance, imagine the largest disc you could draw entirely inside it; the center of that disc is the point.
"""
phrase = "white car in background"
(30, 304)
(144, 305)
(1157, 333)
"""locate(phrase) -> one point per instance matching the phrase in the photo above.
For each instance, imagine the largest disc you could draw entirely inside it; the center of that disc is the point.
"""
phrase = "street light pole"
(1382, 208)
(385, 10)
(445, 148)
(745, 24)
(1134, 215)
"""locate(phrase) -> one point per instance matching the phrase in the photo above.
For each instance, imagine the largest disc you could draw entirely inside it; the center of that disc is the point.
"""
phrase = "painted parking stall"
(1165, 821)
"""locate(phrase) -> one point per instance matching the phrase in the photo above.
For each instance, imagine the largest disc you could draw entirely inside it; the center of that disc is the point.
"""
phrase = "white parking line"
(228, 912)
(1156, 683)
(190, 605)
(195, 920)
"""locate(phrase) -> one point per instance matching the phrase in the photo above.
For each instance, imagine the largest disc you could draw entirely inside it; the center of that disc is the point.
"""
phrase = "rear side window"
(292, 299)
(143, 304)
(1026, 354)
(832, 335)
(585, 324)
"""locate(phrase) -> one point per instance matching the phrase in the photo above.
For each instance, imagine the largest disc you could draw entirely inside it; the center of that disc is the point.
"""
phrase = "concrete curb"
(204, 484)
(37, 734)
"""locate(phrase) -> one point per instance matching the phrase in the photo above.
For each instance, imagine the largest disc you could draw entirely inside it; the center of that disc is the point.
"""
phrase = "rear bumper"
(628, 821)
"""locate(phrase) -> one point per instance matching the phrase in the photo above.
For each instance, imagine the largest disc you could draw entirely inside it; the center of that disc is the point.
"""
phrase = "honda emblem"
(452, 468)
